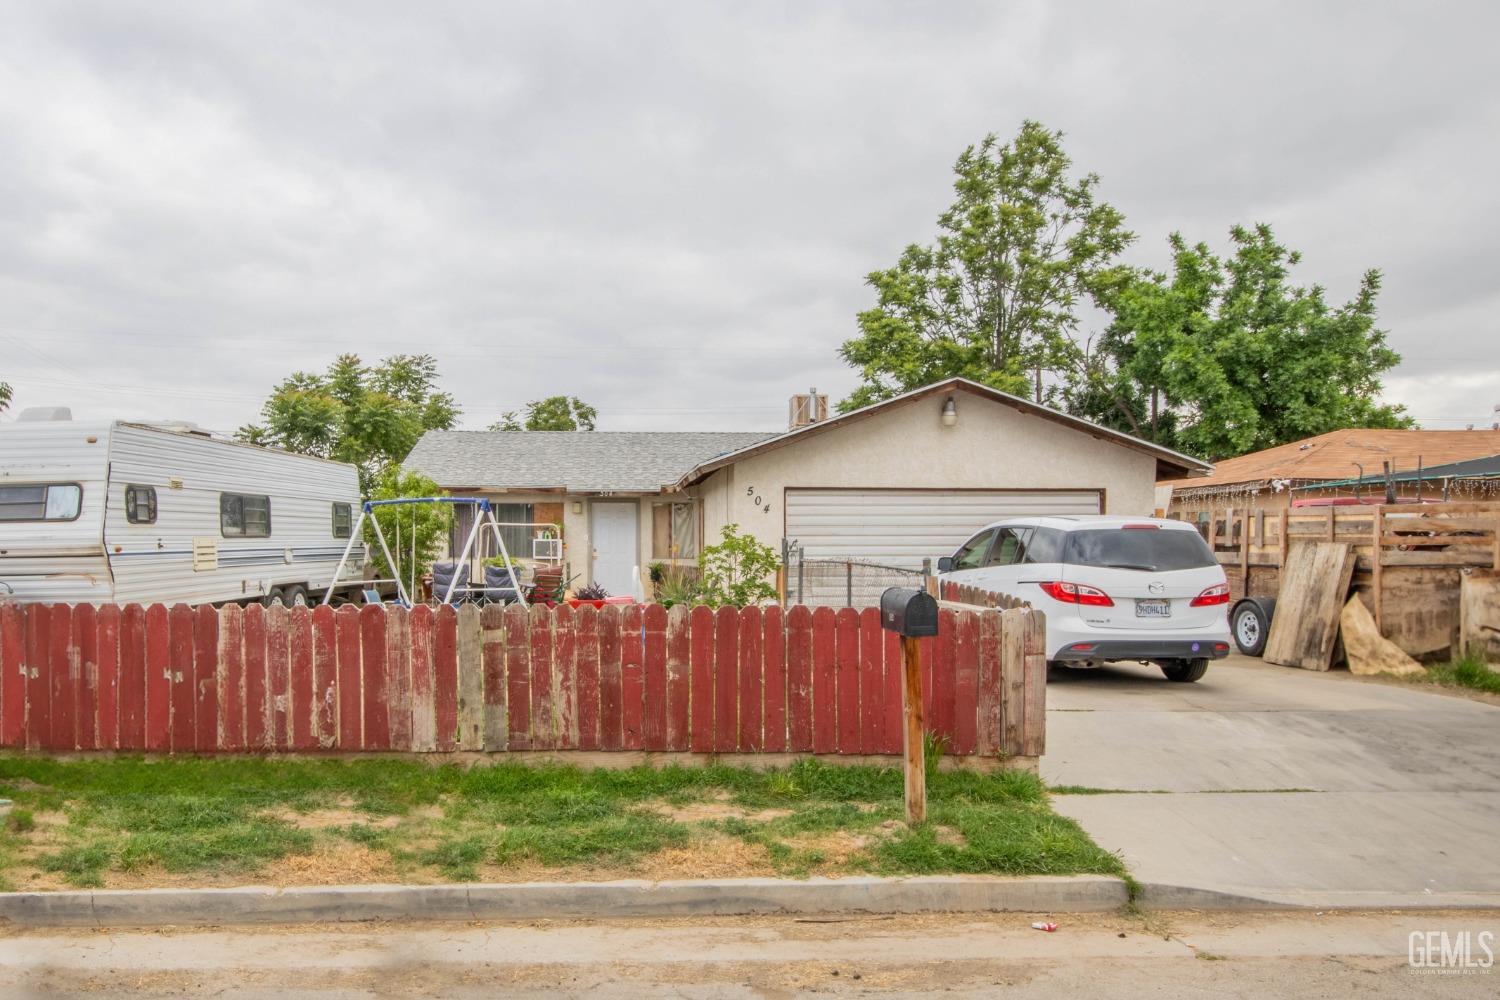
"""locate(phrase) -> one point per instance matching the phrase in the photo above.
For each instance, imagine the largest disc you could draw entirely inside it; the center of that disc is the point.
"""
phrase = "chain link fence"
(843, 583)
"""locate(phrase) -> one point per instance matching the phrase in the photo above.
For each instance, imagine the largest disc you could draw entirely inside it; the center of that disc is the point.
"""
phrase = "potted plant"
(592, 594)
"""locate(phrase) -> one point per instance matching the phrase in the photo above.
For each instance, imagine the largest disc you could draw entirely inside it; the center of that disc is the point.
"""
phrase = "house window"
(674, 531)
(41, 502)
(343, 520)
(140, 504)
(244, 515)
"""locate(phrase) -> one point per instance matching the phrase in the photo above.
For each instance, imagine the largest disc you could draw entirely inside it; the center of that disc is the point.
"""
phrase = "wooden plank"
(988, 727)
(231, 678)
(943, 680)
(565, 676)
(132, 734)
(325, 708)
(279, 676)
(300, 678)
(871, 682)
(1450, 558)
(1315, 583)
(915, 772)
(470, 678)
(726, 680)
(421, 630)
(799, 683)
(679, 677)
(825, 735)
(1013, 681)
(965, 683)
(701, 736)
(158, 735)
(496, 723)
(1034, 743)
(13, 676)
(85, 652)
(749, 680)
(517, 678)
(1479, 615)
(38, 676)
(773, 696)
(62, 663)
(654, 678)
(184, 705)
(445, 669)
(586, 668)
(206, 678)
(377, 722)
(1376, 564)
(632, 676)
(398, 676)
(108, 652)
(893, 681)
(846, 669)
(351, 716)
(543, 718)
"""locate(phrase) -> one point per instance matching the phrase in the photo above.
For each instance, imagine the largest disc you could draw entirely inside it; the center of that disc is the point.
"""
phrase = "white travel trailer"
(121, 512)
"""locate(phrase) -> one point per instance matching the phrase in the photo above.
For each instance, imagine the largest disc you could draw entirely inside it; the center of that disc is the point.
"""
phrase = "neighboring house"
(1340, 466)
(896, 482)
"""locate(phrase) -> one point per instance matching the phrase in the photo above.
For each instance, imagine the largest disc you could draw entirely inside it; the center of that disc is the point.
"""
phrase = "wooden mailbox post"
(911, 614)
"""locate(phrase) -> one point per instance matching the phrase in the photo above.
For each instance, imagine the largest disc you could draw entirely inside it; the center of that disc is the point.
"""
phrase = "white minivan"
(1113, 588)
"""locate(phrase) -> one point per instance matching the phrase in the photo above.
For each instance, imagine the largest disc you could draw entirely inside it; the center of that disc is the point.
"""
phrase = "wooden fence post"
(911, 707)
(1377, 529)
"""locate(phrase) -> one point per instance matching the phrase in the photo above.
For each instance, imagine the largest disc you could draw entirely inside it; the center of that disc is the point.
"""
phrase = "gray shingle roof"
(581, 462)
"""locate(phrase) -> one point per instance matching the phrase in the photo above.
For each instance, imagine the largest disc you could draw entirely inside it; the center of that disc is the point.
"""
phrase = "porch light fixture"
(578, 506)
(950, 412)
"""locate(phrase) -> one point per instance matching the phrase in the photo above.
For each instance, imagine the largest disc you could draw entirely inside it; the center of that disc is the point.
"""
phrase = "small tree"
(428, 522)
(555, 413)
(4, 396)
(735, 571)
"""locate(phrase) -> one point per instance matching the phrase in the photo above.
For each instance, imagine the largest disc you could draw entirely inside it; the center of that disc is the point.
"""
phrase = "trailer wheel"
(295, 596)
(1250, 623)
(273, 596)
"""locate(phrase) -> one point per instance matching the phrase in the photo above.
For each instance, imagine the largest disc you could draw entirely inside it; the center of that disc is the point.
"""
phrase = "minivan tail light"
(1217, 594)
(1076, 593)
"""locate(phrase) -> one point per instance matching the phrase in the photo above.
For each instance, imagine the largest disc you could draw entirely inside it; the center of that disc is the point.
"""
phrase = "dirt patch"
(716, 808)
(343, 864)
(951, 837)
(706, 857)
(323, 819)
(838, 847)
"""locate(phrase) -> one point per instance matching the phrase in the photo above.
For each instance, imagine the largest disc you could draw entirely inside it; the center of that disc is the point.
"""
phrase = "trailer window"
(343, 520)
(140, 504)
(41, 502)
(243, 515)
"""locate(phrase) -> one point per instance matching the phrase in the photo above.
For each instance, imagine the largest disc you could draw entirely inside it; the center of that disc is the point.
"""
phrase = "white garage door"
(902, 527)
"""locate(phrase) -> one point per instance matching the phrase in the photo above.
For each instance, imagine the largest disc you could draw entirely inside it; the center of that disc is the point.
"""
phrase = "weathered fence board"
(639, 678)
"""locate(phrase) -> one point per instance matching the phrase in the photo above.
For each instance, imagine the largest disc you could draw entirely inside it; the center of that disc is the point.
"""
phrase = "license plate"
(1152, 607)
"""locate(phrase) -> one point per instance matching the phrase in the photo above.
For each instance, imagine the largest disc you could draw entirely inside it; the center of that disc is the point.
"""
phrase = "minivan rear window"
(1152, 551)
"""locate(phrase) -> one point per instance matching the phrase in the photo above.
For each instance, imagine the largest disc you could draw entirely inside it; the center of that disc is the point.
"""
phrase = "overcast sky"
(669, 209)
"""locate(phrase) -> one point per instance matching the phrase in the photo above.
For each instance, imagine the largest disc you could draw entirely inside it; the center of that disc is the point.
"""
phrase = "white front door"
(616, 535)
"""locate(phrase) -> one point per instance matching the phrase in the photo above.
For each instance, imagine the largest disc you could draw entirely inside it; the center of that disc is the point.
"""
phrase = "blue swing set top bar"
(480, 502)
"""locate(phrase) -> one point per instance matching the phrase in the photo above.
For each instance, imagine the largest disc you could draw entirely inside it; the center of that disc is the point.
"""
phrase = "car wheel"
(1250, 628)
(295, 596)
(1184, 671)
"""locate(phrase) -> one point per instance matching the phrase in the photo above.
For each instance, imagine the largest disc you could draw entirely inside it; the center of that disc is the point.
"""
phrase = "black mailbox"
(908, 612)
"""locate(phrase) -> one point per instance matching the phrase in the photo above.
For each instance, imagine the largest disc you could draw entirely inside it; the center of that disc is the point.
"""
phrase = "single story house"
(1344, 466)
(896, 482)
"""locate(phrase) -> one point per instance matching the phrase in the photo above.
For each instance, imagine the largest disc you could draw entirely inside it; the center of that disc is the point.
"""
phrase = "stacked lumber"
(1315, 581)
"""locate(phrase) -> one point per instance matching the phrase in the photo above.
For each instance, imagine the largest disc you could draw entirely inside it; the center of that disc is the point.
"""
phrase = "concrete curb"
(548, 900)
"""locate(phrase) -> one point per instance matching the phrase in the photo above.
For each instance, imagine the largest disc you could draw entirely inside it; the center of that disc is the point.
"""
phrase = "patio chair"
(497, 588)
(442, 578)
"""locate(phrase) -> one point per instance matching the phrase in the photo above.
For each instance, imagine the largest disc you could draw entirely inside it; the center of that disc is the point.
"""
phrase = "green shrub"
(735, 572)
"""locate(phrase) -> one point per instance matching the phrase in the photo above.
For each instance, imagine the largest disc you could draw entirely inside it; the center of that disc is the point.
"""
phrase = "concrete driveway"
(1283, 784)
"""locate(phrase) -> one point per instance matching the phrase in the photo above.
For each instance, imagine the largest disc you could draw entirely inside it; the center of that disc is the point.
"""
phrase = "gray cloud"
(669, 208)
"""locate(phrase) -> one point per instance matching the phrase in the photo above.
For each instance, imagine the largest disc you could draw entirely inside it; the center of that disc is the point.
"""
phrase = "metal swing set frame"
(484, 518)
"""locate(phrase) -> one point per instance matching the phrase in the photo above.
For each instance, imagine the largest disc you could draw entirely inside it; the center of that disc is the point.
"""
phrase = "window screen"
(40, 502)
(140, 504)
(244, 515)
(674, 531)
(343, 520)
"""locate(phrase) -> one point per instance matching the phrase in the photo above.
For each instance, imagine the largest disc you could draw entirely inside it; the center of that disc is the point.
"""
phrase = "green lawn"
(134, 822)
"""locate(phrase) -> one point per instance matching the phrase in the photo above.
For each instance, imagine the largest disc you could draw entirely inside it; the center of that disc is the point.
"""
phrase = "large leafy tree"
(995, 298)
(555, 413)
(1225, 356)
(4, 396)
(370, 416)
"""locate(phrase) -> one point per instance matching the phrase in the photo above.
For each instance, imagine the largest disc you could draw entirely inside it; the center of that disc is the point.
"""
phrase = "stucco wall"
(992, 447)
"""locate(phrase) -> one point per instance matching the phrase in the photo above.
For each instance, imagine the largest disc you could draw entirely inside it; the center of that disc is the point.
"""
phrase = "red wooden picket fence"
(963, 593)
(500, 679)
